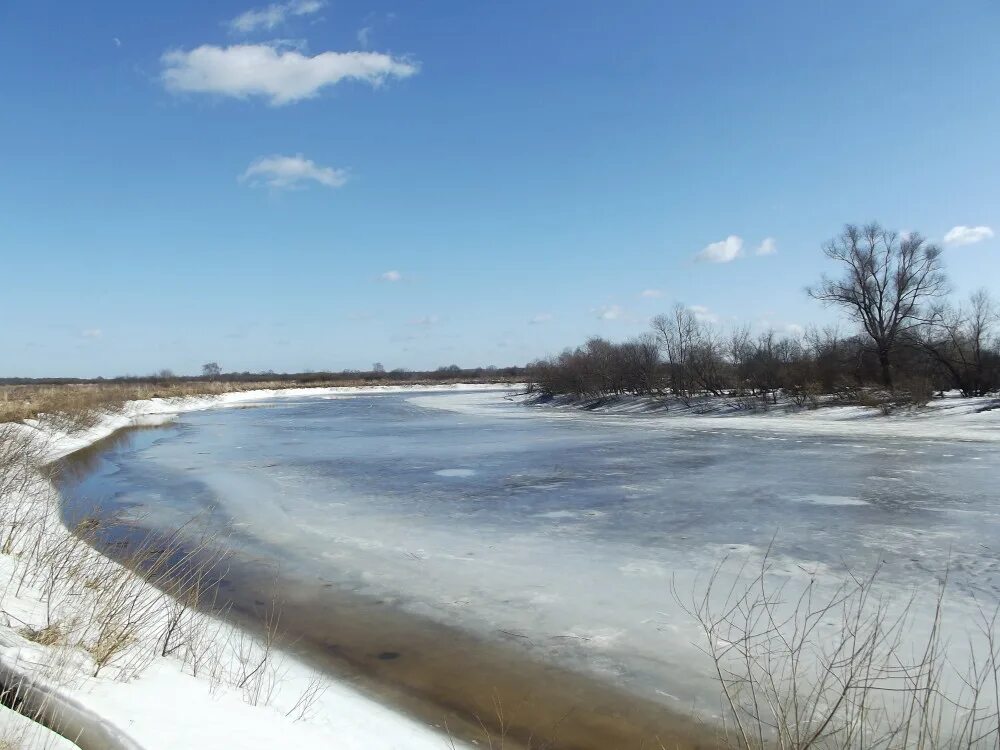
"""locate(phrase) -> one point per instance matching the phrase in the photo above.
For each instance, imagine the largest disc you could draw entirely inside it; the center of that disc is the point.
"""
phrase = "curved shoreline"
(101, 708)
(451, 679)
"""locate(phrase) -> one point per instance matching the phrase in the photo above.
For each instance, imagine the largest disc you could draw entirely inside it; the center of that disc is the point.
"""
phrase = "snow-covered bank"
(54, 623)
(951, 417)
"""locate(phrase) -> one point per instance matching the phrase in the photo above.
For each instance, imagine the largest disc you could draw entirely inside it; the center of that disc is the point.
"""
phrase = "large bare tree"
(887, 281)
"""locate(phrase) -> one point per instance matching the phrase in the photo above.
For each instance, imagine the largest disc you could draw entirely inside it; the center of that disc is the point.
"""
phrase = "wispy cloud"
(767, 247)
(962, 235)
(610, 312)
(291, 172)
(703, 314)
(724, 251)
(651, 293)
(274, 72)
(540, 318)
(364, 36)
(274, 15)
(92, 333)
(391, 276)
(426, 320)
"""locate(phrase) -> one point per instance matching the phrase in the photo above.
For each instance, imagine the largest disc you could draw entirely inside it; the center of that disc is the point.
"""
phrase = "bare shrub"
(803, 668)
(874, 399)
(257, 672)
(918, 391)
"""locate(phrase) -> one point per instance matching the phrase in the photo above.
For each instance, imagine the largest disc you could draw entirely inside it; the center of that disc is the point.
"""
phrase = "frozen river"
(557, 532)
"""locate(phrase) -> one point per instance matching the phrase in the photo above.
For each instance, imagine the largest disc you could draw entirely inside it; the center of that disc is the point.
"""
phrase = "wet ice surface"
(559, 533)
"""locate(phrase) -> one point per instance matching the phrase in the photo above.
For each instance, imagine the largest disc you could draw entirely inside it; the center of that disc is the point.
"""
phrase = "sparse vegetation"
(801, 666)
(159, 602)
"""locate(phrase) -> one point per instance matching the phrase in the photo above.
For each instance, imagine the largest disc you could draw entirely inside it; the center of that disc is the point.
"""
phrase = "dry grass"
(50, 635)
(81, 405)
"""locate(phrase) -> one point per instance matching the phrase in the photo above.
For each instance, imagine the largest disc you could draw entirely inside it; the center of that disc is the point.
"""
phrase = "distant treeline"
(908, 339)
(450, 373)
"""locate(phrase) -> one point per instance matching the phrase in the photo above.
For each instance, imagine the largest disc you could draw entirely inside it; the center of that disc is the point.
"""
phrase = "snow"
(951, 417)
(21, 732)
(163, 705)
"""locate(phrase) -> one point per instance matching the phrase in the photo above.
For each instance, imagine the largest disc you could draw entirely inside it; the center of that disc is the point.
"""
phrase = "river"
(448, 549)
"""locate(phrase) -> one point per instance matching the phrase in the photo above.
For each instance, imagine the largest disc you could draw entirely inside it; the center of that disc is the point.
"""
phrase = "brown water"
(452, 679)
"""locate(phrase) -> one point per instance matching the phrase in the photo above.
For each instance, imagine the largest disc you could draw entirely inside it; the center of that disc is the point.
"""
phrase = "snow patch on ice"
(832, 500)
(455, 472)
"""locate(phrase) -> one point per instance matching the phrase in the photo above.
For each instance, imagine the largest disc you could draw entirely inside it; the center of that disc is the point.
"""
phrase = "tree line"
(907, 340)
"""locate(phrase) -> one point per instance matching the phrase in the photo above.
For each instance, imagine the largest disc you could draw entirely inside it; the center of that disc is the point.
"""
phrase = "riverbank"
(92, 663)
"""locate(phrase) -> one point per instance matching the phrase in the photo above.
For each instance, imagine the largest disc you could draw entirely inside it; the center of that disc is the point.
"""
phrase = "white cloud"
(273, 71)
(274, 15)
(962, 235)
(703, 314)
(610, 312)
(651, 293)
(540, 318)
(426, 320)
(724, 251)
(364, 36)
(290, 172)
(767, 247)
(391, 276)
(92, 333)
(794, 330)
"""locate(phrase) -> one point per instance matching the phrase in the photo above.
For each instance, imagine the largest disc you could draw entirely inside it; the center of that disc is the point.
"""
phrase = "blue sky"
(314, 185)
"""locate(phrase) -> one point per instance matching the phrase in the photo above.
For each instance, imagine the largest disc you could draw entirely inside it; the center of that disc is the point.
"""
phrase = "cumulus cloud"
(962, 235)
(767, 247)
(391, 276)
(274, 15)
(540, 318)
(651, 293)
(273, 71)
(724, 251)
(610, 312)
(290, 172)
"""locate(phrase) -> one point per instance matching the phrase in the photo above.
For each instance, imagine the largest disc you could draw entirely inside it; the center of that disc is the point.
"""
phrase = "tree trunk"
(883, 360)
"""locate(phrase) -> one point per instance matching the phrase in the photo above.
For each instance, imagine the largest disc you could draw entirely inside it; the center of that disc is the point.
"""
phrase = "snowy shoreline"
(950, 418)
(132, 709)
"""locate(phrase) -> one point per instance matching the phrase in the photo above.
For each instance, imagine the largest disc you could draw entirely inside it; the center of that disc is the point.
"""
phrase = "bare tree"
(887, 281)
(211, 370)
(678, 334)
(962, 342)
